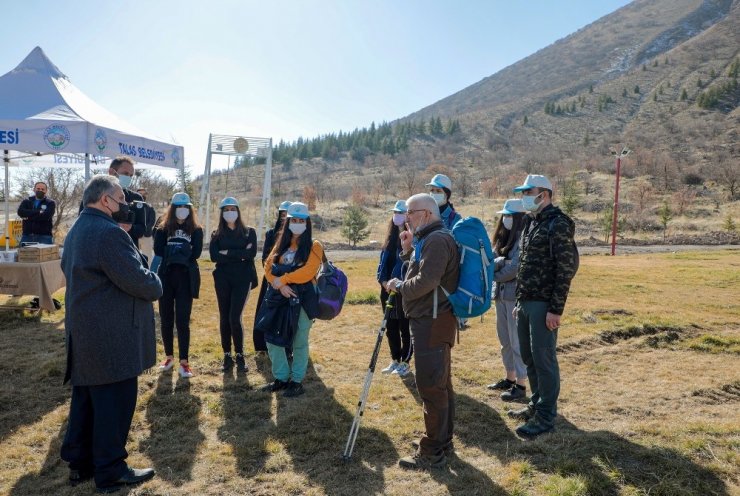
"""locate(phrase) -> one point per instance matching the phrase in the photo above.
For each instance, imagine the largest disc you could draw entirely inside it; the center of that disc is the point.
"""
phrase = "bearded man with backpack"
(433, 264)
(548, 261)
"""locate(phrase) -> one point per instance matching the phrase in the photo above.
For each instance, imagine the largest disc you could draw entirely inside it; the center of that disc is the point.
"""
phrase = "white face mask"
(399, 219)
(182, 213)
(230, 216)
(297, 229)
(124, 181)
(440, 198)
(508, 222)
(530, 204)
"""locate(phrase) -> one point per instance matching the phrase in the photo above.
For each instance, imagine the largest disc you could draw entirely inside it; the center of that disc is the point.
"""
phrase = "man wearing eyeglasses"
(434, 264)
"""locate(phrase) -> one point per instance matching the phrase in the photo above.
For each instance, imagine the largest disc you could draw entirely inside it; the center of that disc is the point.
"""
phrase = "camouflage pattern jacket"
(542, 276)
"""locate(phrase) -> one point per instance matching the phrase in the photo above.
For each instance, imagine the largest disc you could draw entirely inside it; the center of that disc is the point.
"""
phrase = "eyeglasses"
(409, 212)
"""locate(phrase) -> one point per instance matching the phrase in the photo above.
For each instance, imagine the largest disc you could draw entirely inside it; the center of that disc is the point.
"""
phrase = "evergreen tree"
(354, 225)
(637, 89)
(655, 63)
(699, 83)
(665, 215)
(684, 95)
(571, 196)
(644, 67)
(729, 224)
(624, 92)
(524, 121)
(591, 88)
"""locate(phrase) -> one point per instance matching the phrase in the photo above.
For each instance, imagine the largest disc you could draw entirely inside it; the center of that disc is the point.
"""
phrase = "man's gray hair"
(424, 201)
(97, 187)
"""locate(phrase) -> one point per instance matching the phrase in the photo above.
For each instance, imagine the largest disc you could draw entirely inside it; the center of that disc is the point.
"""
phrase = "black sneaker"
(503, 385)
(533, 428)
(274, 386)
(524, 414)
(293, 389)
(241, 366)
(516, 393)
(228, 362)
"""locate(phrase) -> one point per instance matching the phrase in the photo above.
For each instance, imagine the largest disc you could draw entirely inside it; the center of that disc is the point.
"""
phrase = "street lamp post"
(615, 210)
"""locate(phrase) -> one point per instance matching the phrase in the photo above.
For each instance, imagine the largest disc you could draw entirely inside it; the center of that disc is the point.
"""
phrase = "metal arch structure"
(239, 146)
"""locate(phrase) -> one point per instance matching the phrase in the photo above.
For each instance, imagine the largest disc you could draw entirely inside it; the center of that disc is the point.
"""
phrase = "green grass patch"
(715, 344)
(365, 297)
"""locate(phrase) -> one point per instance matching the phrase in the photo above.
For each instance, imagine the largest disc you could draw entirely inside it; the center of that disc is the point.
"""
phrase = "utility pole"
(625, 151)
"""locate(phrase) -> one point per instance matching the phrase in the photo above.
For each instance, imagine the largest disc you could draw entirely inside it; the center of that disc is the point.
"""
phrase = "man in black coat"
(37, 212)
(110, 337)
(136, 223)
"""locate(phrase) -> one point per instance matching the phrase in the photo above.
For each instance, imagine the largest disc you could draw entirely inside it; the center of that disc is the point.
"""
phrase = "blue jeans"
(37, 238)
(296, 371)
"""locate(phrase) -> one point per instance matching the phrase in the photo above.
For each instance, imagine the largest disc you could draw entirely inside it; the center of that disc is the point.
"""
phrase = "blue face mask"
(529, 204)
(124, 181)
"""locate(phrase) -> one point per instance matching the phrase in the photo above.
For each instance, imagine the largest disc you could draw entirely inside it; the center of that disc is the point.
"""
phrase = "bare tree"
(728, 173)
(409, 178)
(65, 188)
(158, 189)
(641, 195)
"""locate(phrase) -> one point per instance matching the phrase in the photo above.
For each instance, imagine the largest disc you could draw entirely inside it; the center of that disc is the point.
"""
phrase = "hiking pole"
(347, 455)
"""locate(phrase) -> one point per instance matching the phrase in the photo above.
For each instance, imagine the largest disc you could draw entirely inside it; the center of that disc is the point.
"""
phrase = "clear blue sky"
(280, 69)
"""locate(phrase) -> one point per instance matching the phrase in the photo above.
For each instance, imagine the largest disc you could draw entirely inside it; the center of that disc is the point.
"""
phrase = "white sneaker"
(402, 370)
(391, 368)
(167, 364)
(185, 371)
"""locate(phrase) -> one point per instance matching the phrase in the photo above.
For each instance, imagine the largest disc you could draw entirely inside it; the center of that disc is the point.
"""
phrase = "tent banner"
(70, 137)
(111, 143)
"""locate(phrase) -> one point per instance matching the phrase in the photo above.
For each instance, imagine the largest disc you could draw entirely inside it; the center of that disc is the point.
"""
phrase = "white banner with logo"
(69, 137)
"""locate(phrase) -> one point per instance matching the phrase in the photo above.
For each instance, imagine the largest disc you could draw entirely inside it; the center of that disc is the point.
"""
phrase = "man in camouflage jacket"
(548, 261)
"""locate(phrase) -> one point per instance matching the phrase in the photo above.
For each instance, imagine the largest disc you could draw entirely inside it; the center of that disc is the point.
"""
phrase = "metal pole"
(615, 209)
(6, 161)
(266, 190)
(355, 428)
(87, 167)
(206, 184)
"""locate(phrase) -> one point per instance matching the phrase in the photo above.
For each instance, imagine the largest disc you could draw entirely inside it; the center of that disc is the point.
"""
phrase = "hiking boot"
(228, 363)
(503, 385)
(77, 477)
(516, 393)
(402, 370)
(241, 365)
(293, 389)
(524, 414)
(533, 428)
(274, 386)
(167, 364)
(423, 462)
(449, 449)
(185, 371)
(391, 367)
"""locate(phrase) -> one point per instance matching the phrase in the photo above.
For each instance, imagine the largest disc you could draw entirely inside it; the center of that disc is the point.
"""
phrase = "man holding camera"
(135, 225)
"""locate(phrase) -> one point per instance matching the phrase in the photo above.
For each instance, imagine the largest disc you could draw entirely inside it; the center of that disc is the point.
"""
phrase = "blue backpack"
(473, 294)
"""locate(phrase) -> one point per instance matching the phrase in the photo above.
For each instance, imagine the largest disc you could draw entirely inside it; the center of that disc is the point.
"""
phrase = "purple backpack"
(331, 285)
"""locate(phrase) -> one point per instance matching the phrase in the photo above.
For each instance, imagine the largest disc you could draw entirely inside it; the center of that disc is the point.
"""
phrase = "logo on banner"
(56, 136)
(101, 140)
(175, 156)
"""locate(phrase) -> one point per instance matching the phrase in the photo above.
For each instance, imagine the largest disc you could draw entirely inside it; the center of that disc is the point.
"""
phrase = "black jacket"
(37, 220)
(240, 252)
(178, 250)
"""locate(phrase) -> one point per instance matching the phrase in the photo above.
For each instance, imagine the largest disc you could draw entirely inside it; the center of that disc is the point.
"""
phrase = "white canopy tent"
(42, 112)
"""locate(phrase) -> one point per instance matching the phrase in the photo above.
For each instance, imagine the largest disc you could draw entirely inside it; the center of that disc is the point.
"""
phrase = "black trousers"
(99, 421)
(397, 330)
(258, 338)
(175, 307)
(232, 291)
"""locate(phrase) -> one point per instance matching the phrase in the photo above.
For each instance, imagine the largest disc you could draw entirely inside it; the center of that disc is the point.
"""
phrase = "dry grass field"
(650, 363)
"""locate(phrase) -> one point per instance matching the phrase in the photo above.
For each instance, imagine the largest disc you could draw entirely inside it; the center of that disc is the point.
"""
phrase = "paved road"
(584, 250)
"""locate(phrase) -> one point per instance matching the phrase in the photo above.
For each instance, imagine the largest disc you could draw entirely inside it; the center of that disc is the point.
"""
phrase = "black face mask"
(123, 211)
(40, 195)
